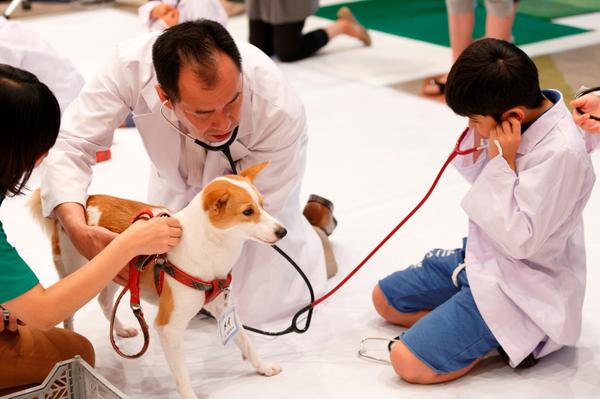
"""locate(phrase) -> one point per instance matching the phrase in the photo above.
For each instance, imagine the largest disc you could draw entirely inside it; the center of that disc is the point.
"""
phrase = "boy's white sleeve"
(464, 163)
(520, 212)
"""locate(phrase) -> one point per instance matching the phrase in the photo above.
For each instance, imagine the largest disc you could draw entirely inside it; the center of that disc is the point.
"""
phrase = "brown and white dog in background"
(216, 223)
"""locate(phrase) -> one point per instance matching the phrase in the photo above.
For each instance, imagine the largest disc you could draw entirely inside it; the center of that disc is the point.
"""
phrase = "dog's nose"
(280, 232)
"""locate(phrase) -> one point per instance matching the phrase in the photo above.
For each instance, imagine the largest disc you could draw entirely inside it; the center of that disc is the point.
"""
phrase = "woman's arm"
(43, 308)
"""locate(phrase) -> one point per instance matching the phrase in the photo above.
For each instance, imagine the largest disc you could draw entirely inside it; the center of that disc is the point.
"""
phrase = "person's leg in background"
(291, 44)
(500, 16)
(319, 213)
(27, 355)
(461, 20)
(261, 36)
(499, 20)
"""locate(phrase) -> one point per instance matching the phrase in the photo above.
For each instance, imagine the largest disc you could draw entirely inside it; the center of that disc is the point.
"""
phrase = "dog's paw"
(268, 369)
(126, 332)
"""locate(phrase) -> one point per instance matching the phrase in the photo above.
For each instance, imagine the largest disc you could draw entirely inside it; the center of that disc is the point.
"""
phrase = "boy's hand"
(589, 104)
(508, 134)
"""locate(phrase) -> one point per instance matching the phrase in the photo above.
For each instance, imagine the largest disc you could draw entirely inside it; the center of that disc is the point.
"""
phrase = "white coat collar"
(545, 123)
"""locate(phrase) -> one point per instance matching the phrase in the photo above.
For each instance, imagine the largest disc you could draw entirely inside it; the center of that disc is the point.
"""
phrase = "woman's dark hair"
(193, 43)
(490, 77)
(30, 121)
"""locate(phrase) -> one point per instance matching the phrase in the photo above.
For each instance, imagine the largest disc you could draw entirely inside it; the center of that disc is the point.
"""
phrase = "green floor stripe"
(549, 9)
(427, 20)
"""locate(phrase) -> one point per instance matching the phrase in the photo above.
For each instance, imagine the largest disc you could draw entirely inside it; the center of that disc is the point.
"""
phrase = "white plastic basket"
(71, 379)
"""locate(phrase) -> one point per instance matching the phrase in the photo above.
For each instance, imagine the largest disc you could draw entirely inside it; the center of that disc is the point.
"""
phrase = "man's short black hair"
(193, 44)
(490, 77)
(30, 117)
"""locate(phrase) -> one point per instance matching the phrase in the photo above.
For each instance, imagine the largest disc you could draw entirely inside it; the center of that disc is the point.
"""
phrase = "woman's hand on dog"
(153, 236)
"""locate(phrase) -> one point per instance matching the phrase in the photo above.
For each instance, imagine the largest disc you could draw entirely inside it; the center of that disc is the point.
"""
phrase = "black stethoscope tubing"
(225, 149)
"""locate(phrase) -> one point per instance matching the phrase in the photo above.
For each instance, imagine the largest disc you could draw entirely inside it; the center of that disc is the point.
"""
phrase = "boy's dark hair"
(30, 117)
(490, 77)
(194, 44)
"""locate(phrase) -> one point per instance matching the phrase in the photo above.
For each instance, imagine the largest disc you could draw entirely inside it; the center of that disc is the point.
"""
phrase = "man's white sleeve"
(87, 126)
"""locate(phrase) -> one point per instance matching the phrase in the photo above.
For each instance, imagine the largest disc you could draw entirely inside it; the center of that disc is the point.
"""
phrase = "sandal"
(440, 88)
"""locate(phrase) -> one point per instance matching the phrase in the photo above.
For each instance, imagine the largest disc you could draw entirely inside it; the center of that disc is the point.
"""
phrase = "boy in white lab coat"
(518, 281)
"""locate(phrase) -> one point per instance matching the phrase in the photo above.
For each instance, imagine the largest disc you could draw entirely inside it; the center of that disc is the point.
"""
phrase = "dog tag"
(228, 327)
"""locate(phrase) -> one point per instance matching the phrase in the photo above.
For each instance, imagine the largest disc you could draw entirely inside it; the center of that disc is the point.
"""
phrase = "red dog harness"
(137, 265)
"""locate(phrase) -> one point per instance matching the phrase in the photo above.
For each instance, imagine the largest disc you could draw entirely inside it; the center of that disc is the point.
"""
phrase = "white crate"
(71, 379)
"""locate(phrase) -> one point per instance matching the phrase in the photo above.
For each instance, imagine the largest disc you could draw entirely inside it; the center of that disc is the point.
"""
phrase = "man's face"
(210, 114)
(482, 124)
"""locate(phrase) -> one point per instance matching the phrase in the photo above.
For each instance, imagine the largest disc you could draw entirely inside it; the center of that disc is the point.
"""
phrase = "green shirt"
(16, 278)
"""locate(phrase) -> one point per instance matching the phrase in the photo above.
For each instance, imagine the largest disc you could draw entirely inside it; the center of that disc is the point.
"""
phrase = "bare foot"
(352, 27)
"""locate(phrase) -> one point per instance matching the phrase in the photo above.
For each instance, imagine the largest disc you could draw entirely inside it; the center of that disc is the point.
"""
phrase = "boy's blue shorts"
(453, 335)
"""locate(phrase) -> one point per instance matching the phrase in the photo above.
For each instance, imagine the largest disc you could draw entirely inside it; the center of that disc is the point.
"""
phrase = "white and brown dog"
(226, 213)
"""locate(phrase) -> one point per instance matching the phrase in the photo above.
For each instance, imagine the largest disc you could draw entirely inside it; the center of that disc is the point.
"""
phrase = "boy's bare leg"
(411, 369)
(392, 315)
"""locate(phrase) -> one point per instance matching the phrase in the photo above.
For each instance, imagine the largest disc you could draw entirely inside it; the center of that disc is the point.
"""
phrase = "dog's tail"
(34, 203)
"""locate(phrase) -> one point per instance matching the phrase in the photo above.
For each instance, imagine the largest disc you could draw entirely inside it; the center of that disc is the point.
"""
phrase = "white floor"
(374, 152)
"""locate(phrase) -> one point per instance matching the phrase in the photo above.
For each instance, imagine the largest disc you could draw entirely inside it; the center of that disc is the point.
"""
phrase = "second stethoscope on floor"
(225, 148)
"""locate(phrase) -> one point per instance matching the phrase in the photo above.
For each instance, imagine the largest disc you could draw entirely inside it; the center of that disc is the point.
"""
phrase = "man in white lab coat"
(22, 47)
(193, 79)
(518, 282)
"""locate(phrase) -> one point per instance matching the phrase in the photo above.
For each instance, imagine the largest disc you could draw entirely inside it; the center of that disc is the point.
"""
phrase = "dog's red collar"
(137, 265)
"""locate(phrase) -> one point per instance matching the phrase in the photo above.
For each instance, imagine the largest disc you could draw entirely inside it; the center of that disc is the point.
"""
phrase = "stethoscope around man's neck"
(225, 149)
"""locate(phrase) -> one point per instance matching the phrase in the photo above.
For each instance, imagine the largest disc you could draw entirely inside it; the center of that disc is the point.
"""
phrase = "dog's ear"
(251, 172)
(215, 201)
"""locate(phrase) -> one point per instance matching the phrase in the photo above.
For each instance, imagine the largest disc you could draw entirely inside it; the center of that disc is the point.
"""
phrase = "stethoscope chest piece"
(366, 352)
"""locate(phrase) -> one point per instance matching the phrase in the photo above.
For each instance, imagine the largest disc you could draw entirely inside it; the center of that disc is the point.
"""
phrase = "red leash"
(457, 151)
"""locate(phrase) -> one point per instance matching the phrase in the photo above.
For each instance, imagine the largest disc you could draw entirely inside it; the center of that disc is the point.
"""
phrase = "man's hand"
(590, 105)
(90, 240)
(508, 134)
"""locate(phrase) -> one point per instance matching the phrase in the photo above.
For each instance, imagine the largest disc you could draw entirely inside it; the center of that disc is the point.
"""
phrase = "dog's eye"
(248, 212)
